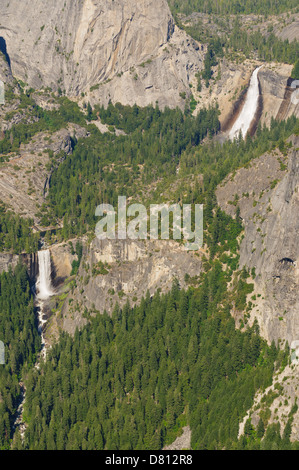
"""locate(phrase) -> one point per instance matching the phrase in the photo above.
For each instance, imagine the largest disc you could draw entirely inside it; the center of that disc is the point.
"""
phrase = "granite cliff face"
(10, 261)
(5, 71)
(123, 50)
(286, 381)
(124, 270)
(276, 93)
(98, 50)
(267, 193)
(230, 91)
(24, 179)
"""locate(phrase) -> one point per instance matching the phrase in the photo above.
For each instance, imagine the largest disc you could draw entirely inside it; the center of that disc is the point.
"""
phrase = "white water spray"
(43, 284)
(43, 291)
(249, 109)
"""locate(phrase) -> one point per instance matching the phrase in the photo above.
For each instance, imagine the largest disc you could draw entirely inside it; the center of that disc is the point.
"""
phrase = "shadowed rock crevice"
(3, 49)
(287, 262)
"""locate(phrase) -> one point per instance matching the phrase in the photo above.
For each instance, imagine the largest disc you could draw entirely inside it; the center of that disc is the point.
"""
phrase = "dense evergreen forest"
(131, 381)
(16, 233)
(230, 41)
(295, 71)
(233, 7)
(130, 163)
(110, 166)
(44, 120)
(154, 144)
(227, 37)
(215, 161)
(19, 333)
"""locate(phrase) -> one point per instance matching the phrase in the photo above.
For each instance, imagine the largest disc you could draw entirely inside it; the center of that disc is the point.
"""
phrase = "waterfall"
(249, 109)
(43, 290)
(43, 284)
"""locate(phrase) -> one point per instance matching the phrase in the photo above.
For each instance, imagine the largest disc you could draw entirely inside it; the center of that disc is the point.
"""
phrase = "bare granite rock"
(122, 50)
(284, 392)
(229, 91)
(24, 179)
(182, 442)
(276, 92)
(117, 271)
(8, 260)
(5, 71)
(267, 194)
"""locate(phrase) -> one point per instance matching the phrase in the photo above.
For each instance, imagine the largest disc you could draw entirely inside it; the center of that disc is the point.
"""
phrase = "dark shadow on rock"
(3, 49)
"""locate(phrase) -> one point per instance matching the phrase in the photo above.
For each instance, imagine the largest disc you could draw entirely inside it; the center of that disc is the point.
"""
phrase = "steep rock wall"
(10, 261)
(117, 271)
(129, 51)
(268, 192)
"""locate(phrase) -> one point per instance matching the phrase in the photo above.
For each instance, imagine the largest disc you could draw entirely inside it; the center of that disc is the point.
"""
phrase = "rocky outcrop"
(282, 396)
(124, 270)
(9, 261)
(62, 258)
(267, 194)
(24, 179)
(289, 32)
(229, 91)
(10, 105)
(182, 442)
(127, 51)
(5, 71)
(277, 103)
(285, 25)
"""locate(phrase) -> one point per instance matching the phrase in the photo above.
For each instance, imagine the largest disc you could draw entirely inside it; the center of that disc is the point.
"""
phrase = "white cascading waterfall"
(44, 291)
(44, 283)
(249, 109)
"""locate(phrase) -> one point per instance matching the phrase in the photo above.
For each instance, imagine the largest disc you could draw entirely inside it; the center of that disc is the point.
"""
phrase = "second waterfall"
(249, 109)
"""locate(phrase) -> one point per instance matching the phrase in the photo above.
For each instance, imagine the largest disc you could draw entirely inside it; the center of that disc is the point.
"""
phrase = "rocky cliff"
(10, 261)
(24, 179)
(276, 93)
(229, 91)
(124, 270)
(5, 71)
(267, 194)
(121, 50)
(275, 403)
(125, 52)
